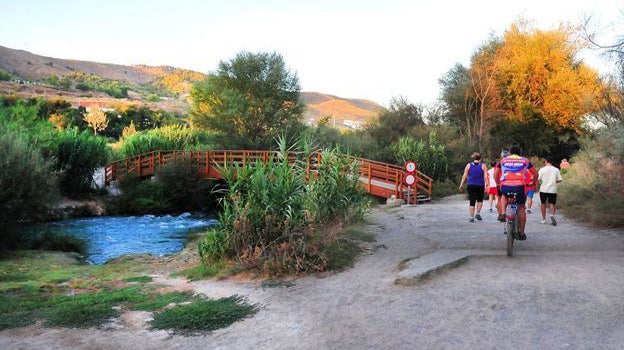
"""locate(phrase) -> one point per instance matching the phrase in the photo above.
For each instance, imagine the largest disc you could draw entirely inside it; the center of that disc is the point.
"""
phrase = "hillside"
(160, 87)
(340, 111)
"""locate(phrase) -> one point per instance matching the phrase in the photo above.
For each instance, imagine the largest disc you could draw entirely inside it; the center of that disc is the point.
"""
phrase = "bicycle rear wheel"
(511, 233)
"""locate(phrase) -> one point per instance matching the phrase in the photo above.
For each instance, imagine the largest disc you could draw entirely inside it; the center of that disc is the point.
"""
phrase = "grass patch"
(202, 271)
(204, 315)
(358, 235)
(158, 301)
(61, 291)
(341, 254)
(139, 279)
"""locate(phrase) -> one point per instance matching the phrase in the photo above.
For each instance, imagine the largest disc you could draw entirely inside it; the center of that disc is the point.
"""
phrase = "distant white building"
(353, 124)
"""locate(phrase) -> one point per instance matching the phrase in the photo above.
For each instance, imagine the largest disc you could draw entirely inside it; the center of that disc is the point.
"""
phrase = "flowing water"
(112, 236)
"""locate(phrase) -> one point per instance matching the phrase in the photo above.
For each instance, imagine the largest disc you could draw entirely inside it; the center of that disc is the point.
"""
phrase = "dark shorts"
(548, 197)
(519, 190)
(475, 194)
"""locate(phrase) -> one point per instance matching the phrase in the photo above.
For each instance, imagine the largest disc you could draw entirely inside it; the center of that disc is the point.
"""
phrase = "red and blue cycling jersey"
(514, 171)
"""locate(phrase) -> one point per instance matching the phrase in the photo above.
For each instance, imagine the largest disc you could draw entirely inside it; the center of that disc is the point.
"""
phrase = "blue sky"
(357, 49)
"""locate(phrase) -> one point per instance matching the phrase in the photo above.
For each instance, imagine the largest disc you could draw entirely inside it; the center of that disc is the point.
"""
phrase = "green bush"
(184, 190)
(214, 246)
(139, 197)
(27, 182)
(60, 242)
(78, 155)
(4, 76)
(429, 155)
(171, 137)
(176, 188)
(272, 219)
(23, 118)
(336, 194)
(593, 187)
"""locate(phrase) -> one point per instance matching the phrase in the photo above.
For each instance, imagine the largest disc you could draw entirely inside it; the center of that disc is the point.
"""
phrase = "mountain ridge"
(143, 80)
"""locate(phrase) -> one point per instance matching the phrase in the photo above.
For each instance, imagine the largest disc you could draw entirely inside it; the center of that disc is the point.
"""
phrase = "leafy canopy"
(249, 101)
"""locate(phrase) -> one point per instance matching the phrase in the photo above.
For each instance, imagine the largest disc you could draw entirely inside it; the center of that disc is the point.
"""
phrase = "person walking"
(564, 164)
(549, 176)
(493, 188)
(476, 174)
(530, 190)
(501, 215)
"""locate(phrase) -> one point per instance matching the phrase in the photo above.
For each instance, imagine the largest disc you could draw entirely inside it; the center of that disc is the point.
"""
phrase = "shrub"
(214, 246)
(271, 217)
(184, 190)
(4, 76)
(78, 155)
(175, 188)
(429, 155)
(27, 183)
(593, 187)
(335, 194)
(60, 242)
(139, 197)
(171, 137)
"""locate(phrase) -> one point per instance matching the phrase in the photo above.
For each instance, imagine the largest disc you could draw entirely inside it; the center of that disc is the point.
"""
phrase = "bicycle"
(511, 221)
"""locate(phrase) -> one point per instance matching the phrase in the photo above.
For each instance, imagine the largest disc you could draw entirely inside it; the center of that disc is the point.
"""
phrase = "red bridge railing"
(377, 178)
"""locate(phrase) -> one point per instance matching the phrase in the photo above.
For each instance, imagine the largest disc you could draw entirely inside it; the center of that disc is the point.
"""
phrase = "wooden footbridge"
(377, 178)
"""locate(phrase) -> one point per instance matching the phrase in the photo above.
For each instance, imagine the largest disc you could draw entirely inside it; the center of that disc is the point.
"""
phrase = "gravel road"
(563, 289)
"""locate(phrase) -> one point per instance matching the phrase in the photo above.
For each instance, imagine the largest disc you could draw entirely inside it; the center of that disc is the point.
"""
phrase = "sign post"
(410, 177)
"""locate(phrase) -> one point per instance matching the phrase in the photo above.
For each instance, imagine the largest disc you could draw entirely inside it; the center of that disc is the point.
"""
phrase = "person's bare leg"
(479, 207)
(553, 221)
(471, 210)
(491, 196)
(543, 207)
(521, 219)
(529, 203)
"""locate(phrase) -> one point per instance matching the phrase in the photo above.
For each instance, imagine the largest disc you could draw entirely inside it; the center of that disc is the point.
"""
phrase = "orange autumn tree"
(540, 74)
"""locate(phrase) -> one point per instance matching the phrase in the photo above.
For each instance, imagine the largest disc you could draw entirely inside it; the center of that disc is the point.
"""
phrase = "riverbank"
(71, 209)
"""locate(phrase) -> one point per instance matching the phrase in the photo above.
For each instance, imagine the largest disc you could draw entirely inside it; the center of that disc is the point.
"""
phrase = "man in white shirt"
(549, 176)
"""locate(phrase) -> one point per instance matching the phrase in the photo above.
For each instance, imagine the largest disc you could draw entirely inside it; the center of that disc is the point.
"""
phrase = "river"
(109, 237)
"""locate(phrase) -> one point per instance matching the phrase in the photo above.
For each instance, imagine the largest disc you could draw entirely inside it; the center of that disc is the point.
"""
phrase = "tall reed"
(273, 218)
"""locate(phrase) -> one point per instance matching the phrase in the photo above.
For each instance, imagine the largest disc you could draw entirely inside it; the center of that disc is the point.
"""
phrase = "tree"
(96, 119)
(457, 98)
(249, 101)
(526, 78)
(540, 72)
(396, 121)
(485, 90)
(611, 111)
(59, 120)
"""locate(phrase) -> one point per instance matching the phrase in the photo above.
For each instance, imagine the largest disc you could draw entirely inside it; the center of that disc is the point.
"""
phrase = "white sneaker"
(543, 222)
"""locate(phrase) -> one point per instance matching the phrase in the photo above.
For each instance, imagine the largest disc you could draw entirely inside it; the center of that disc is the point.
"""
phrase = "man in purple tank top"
(476, 174)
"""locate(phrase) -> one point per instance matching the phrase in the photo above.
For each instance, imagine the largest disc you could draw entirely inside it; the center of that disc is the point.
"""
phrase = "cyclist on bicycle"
(515, 172)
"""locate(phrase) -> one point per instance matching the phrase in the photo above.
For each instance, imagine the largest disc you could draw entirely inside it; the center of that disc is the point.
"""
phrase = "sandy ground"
(562, 290)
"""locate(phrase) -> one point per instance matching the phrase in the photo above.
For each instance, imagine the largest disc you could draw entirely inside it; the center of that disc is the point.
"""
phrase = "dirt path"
(562, 290)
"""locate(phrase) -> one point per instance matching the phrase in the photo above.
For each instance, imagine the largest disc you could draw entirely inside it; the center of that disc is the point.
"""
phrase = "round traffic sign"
(410, 179)
(410, 166)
